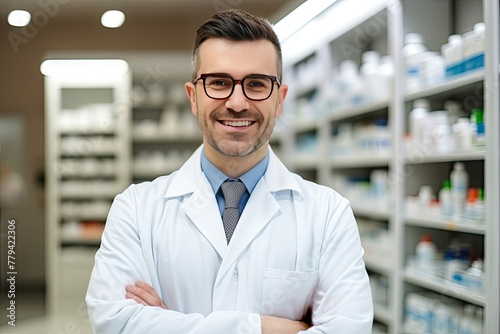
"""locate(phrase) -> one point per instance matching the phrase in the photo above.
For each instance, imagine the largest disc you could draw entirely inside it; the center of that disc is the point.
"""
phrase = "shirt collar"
(216, 177)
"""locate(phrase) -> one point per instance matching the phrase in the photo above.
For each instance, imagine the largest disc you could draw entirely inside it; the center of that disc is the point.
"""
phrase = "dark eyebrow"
(228, 75)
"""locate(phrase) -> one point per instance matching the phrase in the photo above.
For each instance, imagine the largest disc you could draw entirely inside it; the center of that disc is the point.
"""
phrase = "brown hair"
(236, 25)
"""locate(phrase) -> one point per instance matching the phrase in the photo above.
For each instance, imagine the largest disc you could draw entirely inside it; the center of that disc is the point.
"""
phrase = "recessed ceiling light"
(19, 18)
(84, 69)
(112, 19)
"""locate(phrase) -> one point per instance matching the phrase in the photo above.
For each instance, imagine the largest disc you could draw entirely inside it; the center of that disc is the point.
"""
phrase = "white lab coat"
(296, 249)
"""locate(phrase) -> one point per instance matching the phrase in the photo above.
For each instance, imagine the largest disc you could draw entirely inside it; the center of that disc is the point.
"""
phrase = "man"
(172, 260)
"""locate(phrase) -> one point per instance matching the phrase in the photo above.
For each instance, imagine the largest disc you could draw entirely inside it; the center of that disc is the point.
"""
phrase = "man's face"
(236, 126)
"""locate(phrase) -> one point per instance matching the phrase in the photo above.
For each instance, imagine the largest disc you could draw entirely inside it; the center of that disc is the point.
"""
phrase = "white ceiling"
(64, 11)
(177, 65)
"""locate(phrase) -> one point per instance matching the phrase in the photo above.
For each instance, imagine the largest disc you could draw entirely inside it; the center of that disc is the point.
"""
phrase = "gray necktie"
(233, 192)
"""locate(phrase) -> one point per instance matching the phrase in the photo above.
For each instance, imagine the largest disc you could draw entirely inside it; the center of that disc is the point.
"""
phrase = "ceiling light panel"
(113, 19)
(19, 18)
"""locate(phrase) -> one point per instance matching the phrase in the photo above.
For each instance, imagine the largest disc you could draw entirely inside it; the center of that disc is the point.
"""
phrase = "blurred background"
(390, 104)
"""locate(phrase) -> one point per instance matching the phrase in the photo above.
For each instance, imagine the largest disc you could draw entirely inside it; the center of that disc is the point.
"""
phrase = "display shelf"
(81, 241)
(395, 19)
(98, 153)
(87, 164)
(436, 222)
(307, 89)
(371, 210)
(346, 113)
(85, 217)
(91, 191)
(152, 172)
(301, 126)
(79, 175)
(461, 83)
(173, 138)
(359, 160)
(444, 287)
(421, 156)
(164, 131)
(378, 265)
(383, 314)
(353, 110)
(87, 132)
(306, 161)
(88, 196)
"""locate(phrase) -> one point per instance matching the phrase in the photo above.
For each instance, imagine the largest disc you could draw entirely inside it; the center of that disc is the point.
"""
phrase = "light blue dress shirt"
(216, 178)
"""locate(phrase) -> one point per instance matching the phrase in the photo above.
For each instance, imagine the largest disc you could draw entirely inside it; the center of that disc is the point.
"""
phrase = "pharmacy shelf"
(77, 174)
(164, 131)
(171, 139)
(81, 241)
(421, 156)
(444, 287)
(361, 160)
(89, 217)
(459, 83)
(378, 265)
(383, 314)
(306, 161)
(430, 221)
(92, 165)
(302, 126)
(308, 88)
(88, 154)
(470, 89)
(88, 195)
(153, 173)
(372, 211)
(377, 13)
(344, 113)
(105, 131)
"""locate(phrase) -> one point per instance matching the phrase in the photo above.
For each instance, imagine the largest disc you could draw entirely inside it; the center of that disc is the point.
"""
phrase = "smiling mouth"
(237, 123)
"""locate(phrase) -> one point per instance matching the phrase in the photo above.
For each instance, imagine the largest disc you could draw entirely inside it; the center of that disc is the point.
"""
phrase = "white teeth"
(237, 123)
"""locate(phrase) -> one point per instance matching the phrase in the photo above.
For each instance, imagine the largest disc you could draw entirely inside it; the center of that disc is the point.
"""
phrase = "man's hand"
(144, 294)
(275, 325)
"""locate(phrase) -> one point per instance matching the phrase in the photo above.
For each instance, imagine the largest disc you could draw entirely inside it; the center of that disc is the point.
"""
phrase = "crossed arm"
(144, 294)
(342, 302)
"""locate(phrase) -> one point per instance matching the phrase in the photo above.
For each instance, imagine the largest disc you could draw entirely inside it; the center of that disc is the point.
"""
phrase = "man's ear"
(191, 93)
(283, 90)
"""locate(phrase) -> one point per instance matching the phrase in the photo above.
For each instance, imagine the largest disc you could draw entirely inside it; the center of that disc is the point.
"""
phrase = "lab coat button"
(235, 275)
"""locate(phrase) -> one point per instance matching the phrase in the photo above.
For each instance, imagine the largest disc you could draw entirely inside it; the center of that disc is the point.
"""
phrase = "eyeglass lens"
(254, 87)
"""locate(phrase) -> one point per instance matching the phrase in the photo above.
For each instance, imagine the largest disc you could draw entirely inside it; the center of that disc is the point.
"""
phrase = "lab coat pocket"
(287, 294)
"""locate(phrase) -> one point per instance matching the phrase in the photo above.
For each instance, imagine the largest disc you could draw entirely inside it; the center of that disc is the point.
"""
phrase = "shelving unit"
(381, 26)
(330, 158)
(165, 133)
(87, 136)
(164, 130)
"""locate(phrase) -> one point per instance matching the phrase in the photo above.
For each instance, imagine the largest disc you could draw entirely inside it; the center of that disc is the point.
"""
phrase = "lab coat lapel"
(258, 212)
(200, 205)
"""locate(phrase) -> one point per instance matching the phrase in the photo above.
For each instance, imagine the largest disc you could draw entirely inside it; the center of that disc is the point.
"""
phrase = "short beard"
(231, 152)
(232, 149)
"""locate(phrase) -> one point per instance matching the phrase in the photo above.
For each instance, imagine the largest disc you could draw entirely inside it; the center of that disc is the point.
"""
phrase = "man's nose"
(237, 101)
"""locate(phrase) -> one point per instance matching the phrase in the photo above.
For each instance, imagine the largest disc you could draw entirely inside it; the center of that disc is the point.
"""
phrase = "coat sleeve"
(120, 261)
(342, 302)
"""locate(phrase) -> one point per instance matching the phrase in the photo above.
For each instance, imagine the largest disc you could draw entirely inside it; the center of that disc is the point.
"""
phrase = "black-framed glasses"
(220, 86)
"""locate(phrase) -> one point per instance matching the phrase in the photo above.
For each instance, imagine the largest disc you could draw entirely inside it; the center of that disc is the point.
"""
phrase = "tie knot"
(233, 192)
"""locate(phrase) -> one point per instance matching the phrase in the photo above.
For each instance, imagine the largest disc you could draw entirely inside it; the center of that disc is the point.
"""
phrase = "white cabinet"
(87, 164)
(357, 142)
